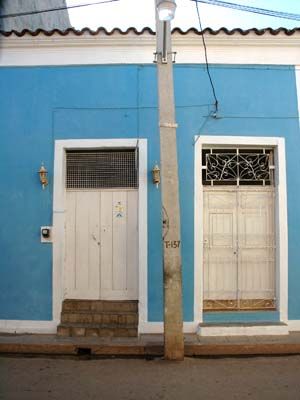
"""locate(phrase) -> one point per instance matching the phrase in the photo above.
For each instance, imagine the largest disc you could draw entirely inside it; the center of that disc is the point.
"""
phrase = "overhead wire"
(255, 10)
(206, 60)
(54, 9)
(240, 7)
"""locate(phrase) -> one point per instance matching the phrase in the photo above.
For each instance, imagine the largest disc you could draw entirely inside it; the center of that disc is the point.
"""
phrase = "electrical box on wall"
(46, 234)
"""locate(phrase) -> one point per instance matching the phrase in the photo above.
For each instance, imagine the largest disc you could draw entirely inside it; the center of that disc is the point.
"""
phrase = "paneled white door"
(239, 248)
(220, 246)
(101, 258)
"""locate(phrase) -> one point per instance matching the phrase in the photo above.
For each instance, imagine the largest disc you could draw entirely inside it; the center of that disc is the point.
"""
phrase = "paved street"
(129, 379)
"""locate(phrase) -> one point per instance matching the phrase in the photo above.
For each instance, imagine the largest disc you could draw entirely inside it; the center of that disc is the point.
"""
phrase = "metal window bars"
(102, 169)
(237, 166)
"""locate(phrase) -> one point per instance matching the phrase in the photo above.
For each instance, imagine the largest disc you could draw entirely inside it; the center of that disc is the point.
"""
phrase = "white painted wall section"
(131, 49)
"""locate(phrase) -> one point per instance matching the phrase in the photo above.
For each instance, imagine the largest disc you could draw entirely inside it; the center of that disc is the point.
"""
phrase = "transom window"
(240, 166)
(102, 169)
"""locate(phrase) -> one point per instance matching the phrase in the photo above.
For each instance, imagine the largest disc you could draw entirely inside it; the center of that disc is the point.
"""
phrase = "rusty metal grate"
(102, 169)
(239, 304)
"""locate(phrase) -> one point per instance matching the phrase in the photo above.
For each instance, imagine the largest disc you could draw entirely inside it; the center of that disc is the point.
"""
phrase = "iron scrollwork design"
(238, 166)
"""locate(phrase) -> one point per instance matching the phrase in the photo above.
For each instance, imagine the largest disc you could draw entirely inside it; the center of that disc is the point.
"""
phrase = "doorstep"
(242, 329)
(150, 345)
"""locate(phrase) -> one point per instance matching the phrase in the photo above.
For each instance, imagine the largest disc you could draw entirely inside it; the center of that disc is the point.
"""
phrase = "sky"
(140, 13)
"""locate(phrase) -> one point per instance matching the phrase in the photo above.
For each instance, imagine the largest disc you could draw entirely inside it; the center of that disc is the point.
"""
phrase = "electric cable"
(256, 10)
(206, 60)
(54, 9)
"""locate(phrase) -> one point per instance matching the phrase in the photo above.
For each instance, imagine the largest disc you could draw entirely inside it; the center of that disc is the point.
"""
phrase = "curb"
(146, 350)
(241, 349)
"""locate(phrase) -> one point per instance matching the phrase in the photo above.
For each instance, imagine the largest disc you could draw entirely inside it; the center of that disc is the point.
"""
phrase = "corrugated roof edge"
(148, 30)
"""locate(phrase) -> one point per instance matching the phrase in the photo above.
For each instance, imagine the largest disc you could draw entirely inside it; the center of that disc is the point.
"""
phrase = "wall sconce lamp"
(156, 175)
(43, 176)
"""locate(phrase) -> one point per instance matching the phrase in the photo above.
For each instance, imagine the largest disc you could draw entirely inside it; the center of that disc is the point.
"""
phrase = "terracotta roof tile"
(132, 30)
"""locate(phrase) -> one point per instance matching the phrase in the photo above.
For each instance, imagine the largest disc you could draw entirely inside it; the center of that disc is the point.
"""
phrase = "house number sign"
(172, 244)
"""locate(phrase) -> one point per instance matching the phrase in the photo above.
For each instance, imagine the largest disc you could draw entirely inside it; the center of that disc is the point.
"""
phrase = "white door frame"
(280, 216)
(59, 212)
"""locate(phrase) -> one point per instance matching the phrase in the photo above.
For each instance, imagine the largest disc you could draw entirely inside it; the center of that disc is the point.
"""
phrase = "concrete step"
(100, 317)
(100, 305)
(243, 329)
(96, 330)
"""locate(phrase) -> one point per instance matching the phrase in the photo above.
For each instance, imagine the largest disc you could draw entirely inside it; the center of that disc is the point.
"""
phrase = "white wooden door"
(101, 260)
(220, 247)
(256, 244)
(239, 248)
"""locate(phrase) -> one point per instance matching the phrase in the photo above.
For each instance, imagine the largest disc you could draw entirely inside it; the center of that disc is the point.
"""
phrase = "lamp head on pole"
(166, 10)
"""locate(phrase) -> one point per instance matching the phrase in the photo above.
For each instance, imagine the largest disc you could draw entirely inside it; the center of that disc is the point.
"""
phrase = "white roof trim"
(132, 49)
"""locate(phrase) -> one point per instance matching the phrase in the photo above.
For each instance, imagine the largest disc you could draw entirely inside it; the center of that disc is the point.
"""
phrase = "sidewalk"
(148, 345)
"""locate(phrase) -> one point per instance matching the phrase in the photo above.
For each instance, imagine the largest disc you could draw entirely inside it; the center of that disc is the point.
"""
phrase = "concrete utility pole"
(173, 325)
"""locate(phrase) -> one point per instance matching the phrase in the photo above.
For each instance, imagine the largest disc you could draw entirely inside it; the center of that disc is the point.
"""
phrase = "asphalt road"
(128, 379)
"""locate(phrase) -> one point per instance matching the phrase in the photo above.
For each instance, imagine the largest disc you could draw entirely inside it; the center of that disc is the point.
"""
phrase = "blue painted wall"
(41, 104)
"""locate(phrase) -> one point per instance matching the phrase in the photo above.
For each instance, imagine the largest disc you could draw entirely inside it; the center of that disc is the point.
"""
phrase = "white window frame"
(278, 144)
(59, 210)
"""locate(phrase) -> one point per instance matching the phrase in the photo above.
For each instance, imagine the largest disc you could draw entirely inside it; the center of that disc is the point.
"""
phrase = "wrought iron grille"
(100, 169)
(240, 304)
(237, 167)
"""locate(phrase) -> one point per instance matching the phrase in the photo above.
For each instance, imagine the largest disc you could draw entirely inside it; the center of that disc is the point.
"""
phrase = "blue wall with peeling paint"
(41, 104)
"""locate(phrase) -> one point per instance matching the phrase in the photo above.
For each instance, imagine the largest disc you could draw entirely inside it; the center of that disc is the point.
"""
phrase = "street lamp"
(166, 10)
(173, 325)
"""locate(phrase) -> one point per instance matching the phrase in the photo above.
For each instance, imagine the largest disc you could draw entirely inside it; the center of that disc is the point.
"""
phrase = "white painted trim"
(294, 325)
(281, 231)
(143, 232)
(131, 49)
(198, 234)
(59, 215)
(19, 326)
(281, 215)
(255, 330)
(158, 327)
(297, 73)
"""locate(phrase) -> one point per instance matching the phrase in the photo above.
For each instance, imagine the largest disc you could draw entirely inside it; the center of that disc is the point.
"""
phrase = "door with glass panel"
(239, 229)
